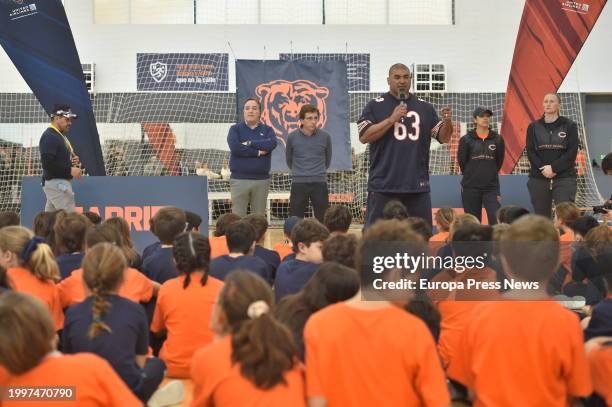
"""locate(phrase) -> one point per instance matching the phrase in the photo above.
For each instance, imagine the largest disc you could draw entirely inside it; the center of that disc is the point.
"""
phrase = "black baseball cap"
(479, 111)
(64, 111)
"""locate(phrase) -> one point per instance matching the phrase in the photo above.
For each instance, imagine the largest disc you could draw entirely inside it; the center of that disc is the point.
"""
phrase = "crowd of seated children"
(185, 303)
(29, 356)
(357, 352)
(526, 333)
(254, 362)
(241, 243)
(237, 347)
(134, 286)
(307, 238)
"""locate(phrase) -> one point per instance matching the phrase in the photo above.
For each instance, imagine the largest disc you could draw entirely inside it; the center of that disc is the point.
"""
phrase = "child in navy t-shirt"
(272, 258)
(167, 224)
(70, 233)
(241, 244)
(110, 326)
(307, 237)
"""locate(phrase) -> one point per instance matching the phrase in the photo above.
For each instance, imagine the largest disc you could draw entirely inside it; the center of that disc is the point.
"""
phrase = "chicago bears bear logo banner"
(283, 87)
(37, 37)
(549, 39)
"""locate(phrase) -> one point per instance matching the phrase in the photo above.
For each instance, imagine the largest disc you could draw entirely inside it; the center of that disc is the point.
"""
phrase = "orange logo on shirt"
(282, 101)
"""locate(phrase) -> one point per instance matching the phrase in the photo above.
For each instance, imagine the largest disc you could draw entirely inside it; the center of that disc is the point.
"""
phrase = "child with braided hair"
(31, 268)
(254, 362)
(111, 326)
(185, 303)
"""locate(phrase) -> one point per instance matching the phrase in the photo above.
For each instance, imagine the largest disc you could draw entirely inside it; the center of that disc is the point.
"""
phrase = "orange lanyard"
(66, 141)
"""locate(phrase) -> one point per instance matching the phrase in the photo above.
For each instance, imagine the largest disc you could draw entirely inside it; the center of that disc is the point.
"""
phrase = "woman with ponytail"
(31, 268)
(185, 303)
(27, 353)
(110, 326)
(254, 362)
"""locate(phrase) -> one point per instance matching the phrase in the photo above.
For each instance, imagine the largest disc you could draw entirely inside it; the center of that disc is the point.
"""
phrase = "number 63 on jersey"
(401, 130)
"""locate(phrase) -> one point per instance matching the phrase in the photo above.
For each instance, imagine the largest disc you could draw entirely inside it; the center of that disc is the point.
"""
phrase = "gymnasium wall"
(477, 49)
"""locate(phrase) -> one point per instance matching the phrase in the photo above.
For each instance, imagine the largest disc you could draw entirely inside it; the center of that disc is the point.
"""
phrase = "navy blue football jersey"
(399, 160)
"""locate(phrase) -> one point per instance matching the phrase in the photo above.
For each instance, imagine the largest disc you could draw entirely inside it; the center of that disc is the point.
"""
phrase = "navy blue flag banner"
(357, 66)
(283, 87)
(182, 72)
(37, 37)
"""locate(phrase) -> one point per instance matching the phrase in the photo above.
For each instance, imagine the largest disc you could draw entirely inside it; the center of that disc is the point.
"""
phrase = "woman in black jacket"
(480, 156)
(552, 146)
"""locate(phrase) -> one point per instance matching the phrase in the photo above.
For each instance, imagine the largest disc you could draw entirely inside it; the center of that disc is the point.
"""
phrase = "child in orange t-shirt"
(358, 354)
(27, 341)
(254, 363)
(184, 304)
(135, 286)
(31, 268)
(218, 242)
(526, 350)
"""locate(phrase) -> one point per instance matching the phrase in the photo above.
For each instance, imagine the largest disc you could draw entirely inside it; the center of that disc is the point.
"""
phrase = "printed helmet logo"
(282, 100)
(158, 71)
(562, 134)
(492, 147)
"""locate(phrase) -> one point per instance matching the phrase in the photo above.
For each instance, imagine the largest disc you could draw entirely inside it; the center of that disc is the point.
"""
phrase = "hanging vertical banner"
(283, 87)
(357, 66)
(550, 36)
(37, 37)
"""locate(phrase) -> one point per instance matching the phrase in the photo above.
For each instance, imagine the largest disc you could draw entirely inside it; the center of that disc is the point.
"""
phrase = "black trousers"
(418, 205)
(474, 199)
(302, 192)
(544, 192)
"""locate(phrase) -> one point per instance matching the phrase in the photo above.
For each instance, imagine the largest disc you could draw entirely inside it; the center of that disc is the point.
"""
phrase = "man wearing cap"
(480, 156)
(59, 161)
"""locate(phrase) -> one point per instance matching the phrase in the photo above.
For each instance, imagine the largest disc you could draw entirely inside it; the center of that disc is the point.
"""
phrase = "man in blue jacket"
(251, 143)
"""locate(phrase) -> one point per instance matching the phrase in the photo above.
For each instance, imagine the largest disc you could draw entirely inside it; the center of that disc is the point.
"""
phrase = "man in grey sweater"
(308, 153)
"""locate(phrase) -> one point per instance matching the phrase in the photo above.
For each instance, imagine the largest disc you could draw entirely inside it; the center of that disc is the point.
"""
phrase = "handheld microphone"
(402, 96)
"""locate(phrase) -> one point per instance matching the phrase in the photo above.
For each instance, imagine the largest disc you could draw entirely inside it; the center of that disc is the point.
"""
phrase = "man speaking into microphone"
(399, 127)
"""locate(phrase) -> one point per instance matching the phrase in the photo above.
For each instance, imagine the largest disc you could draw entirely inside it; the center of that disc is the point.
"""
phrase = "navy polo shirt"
(291, 276)
(52, 144)
(221, 266)
(129, 336)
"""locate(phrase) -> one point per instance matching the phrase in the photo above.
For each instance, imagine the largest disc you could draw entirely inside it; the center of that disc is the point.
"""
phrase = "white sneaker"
(171, 394)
